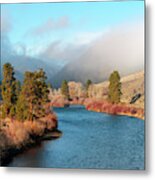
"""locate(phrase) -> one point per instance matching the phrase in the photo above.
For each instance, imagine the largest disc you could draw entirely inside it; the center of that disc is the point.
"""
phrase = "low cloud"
(6, 25)
(87, 55)
(66, 52)
(50, 25)
(20, 49)
(58, 51)
(87, 37)
(121, 48)
(16, 54)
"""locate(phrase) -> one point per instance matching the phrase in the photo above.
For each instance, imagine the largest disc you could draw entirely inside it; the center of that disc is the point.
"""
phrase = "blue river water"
(89, 140)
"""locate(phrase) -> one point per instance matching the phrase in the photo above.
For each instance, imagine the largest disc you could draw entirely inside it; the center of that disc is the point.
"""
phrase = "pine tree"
(33, 96)
(8, 88)
(114, 94)
(50, 86)
(0, 89)
(26, 97)
(17, 88)
(65, 89)
(42, 93)
(88, 83)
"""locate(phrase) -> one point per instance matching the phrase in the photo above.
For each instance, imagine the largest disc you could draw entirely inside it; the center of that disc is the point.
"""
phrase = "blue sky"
(80, 17)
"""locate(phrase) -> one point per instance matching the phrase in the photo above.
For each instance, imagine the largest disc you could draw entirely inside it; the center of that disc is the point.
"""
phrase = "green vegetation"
(9, 91)
(88, 83)
(65, 89)
(25, 112)
(33, 96)
(27, 101)
(114, 94)
(50, 86)
(0, 88)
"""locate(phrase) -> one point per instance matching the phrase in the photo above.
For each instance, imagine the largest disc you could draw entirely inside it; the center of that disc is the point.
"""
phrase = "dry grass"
(19, 133)
(58, 101)
(120, 109)
(131, 85)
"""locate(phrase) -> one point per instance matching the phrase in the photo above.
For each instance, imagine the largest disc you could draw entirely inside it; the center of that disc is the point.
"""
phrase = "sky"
(69, 22)
(57, 32)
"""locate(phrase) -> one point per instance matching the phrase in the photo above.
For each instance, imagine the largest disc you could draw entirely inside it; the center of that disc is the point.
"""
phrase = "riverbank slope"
(115, 109)
(16, 136)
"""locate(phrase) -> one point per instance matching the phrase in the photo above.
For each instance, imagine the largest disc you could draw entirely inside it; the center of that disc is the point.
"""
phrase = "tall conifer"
(114, 94)
(9, 93)
(65, 89)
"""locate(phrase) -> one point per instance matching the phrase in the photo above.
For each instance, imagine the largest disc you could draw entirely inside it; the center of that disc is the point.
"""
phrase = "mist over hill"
(120, 49)
(24, 63)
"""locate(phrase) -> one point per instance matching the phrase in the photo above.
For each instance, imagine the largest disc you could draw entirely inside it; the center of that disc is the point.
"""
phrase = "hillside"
(131, 85)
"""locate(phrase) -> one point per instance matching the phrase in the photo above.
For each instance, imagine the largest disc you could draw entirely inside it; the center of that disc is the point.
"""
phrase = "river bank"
(90, 140)
(102, 105)
(115, 109)
(16, 136)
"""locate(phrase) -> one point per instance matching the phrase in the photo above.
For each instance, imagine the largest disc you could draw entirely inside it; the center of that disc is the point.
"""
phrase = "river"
(89, 140)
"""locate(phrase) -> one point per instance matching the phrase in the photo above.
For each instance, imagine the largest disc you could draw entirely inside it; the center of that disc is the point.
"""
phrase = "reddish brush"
(107, 107)
(18, 133)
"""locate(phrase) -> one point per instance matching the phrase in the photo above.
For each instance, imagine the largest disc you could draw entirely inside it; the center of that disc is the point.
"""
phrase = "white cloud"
(49, 25)
(87, 37)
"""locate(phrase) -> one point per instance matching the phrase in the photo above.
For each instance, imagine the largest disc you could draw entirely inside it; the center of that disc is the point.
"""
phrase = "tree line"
(114, 89)
(26, 101)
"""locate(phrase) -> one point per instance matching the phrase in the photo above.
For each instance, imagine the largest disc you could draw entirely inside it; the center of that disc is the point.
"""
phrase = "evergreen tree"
(88, 83)
(9, 93)
(22, 107)
(17, 88)
(33, 96)
(65, 89)
(42, 93)
(114, 94)
(0, 89)
(50, 86)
